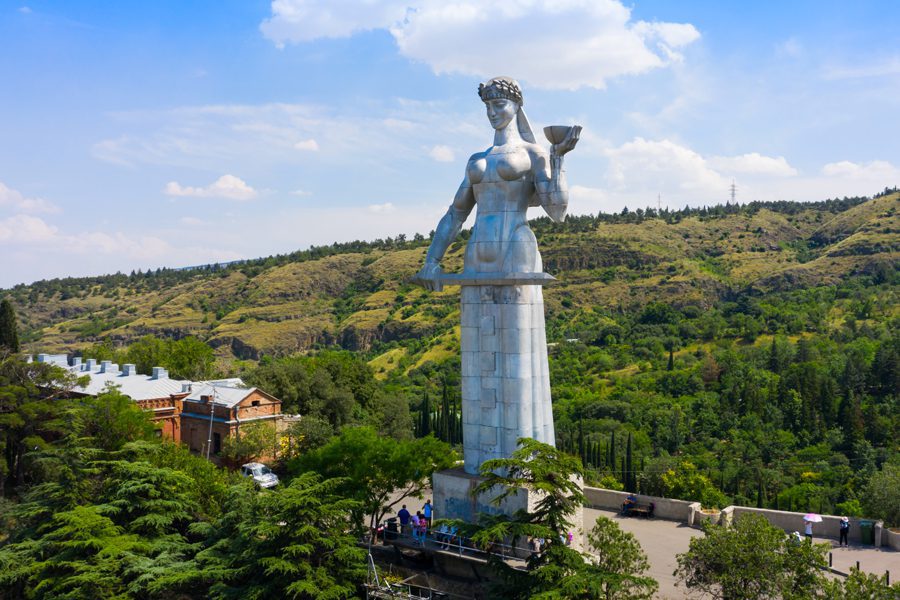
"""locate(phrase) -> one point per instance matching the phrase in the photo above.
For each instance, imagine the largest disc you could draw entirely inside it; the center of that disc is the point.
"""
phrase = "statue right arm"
(447, 230)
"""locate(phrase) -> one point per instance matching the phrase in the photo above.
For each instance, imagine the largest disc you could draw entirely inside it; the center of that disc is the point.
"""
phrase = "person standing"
(427, 510)
(421, 527)
(845, 531)
(808, 531)
(415, 526)
(403, 515)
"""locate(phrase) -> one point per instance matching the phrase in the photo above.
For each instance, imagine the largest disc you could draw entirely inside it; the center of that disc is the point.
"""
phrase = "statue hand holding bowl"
(503, 181)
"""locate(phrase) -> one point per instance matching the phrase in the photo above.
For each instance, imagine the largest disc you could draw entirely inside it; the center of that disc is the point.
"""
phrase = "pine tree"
(9, 334)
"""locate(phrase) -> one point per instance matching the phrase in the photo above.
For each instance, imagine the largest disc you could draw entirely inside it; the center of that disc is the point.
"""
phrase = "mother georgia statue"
(505, 375)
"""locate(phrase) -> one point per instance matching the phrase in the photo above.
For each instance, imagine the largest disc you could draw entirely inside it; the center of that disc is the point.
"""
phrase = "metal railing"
(450, 541)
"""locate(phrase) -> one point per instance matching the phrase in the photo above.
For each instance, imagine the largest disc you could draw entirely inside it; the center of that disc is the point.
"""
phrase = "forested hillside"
(745, 354)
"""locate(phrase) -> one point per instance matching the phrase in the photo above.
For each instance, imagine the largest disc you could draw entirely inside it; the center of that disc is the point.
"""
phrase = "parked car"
(261, 474)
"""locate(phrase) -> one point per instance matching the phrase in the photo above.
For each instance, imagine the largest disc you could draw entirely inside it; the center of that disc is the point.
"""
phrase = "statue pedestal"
(453, 499)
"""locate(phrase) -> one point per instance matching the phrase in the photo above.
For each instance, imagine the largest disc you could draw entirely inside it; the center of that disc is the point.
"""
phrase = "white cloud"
(191, 221)
(25, 10)
(309, 145)
(25, 229)
(662, 165)
(544, 43)
(442, 154)
(301, 193)
(382, 209)
(226, 186)
(13, 199)
(307, 20)
(640, 170)
(877, 170)
(882, 68)
(755, 164)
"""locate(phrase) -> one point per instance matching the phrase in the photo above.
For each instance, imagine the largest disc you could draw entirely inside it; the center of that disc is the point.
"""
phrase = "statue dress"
(505, 371)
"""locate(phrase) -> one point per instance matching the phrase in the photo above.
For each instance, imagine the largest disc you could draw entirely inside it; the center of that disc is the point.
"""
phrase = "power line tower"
(733, 191)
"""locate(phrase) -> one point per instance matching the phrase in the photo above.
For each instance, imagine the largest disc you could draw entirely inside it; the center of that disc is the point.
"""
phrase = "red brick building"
(222, 411)
(181, 408)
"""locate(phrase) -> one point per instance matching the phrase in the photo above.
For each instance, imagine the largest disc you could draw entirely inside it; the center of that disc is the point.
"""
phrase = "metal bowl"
(556, 133)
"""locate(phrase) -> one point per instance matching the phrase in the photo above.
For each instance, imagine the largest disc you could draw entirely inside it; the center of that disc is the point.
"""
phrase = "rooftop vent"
(129, 370)
(42, 358)
(159, 373)
(186, 387)
(76, 363)
(90, 364)
(107, 366)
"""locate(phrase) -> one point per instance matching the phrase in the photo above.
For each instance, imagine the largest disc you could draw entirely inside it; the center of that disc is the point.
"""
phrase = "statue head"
(502, 97)
(501, 87)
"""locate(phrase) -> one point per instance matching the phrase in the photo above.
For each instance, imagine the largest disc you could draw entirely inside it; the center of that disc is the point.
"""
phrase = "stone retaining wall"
(664, 508)
(690, 513)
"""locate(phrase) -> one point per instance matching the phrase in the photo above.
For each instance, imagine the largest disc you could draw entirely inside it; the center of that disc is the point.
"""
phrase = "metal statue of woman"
(505, 375)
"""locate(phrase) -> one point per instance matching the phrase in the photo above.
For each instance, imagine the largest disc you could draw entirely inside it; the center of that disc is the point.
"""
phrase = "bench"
(639, 510)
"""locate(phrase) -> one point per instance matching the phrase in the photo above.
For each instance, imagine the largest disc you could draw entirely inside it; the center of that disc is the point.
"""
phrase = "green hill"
(357, 295)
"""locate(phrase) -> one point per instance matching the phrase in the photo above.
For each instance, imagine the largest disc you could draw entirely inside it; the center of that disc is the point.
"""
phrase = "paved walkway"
(662, 540)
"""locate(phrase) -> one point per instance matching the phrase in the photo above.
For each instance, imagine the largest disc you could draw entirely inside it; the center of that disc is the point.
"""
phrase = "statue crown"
(501, 88)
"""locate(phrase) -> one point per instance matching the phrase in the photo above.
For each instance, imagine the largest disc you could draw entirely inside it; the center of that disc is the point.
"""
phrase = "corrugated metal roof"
(146, 387)
(136, 387)
(222, 395)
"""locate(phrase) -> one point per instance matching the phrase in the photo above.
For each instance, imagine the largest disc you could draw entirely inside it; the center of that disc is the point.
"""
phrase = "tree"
(290, 543)
(250, 442)
(32, 411)
(880, 499)
(618, 563)
(111, 419)
(860, 585)
(9, 332)
(554, 477)
(751, 560)
(377, 471)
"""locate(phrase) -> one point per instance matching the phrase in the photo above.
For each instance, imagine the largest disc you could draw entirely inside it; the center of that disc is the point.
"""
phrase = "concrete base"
(453, 499)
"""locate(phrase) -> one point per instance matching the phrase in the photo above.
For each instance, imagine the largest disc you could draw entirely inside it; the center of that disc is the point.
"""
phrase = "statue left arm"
(550, 183)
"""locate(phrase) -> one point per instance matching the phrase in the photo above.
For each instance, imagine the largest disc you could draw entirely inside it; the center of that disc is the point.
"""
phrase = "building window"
(254, 403)
(217, 443)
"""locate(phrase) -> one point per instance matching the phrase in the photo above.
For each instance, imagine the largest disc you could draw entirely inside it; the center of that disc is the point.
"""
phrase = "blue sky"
(145, 134)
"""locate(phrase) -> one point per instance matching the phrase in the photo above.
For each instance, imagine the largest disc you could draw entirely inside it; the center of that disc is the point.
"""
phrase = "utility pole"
(212, 409)
(733, 191)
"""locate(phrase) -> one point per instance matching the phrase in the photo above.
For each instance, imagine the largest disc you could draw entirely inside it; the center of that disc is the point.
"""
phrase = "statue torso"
(503, 184)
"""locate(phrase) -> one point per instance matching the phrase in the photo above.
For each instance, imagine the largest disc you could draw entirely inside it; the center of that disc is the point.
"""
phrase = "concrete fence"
(892, 538)
(664, 508)
(690, 513)
(793, 521)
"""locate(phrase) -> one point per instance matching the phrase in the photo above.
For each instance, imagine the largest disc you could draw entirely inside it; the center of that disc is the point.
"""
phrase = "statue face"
(501, 112)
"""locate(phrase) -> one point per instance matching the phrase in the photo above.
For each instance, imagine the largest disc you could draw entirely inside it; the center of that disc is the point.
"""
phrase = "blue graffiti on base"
(458, 508)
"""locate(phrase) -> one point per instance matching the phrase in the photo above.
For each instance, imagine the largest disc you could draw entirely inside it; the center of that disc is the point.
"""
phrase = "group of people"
(416, 525)
(843, 532)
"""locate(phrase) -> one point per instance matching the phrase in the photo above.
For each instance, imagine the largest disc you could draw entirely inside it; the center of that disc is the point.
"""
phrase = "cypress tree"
(612, 452)
(9, 333)
(425, 416)
(445, 413)
(671, 365)
(629, 467)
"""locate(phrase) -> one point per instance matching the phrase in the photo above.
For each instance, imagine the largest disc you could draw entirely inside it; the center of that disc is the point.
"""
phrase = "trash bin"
(390, 532)
(867, 532)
